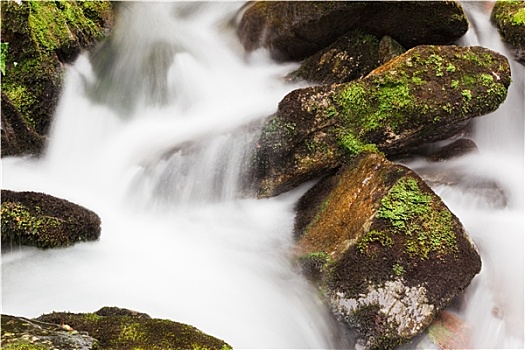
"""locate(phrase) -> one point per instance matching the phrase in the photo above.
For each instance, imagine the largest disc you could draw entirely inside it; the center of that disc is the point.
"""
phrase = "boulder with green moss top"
(294, 30)
(38, 38)
(427, 94)
(44, 221)
(19, 333)
(116, 328)
(386, 252)
(352, 56)
(509, 18)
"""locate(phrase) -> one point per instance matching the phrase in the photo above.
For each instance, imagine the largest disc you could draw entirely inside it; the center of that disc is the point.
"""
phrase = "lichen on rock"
(509, 18)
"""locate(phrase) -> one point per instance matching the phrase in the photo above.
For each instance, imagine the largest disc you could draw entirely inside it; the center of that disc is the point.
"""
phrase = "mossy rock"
(427, 94)
(294, 30)
(44, 221)
(509, 18)
(118, 329)
(393, 253)
(38, 38)
(352, 56)
(19, 333)
(17, 137)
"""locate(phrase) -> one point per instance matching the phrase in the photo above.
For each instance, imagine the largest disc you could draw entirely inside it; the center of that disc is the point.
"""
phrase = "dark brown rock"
(294, 30)
(389, 254)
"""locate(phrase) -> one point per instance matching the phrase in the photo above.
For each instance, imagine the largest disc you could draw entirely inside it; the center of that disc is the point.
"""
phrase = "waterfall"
(152, 132)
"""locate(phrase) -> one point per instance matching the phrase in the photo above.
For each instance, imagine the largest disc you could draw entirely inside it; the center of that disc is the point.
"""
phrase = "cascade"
(151, 133)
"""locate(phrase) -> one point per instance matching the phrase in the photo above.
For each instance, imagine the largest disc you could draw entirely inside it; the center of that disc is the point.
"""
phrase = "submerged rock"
(38, 38)
(116, 329)
(20, 333)
(294, 30)
(509, 18)
(352, 56)
(385, 251)
(453, 150)
(44, 221)
(427, 94)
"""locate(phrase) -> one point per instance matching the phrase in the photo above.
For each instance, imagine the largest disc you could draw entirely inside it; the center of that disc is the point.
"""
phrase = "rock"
(44, 221)
(38, 38)
(294, 30)
(449, 331)
(389, 254)
(389, 48)
(17, 137)
(126, 329)
(352, 56)
(427, 94)
(509, 18)
(22, 333)
(453, 150)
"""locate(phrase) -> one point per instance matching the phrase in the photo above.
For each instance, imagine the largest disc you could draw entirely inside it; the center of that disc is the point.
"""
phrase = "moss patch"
(411, 213)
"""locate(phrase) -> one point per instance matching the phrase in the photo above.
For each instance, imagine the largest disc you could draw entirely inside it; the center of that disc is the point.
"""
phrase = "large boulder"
(294, 30)
(44, 221)
(383, 248)
(38, 38)
(116, 329)
(509, 18)
(428, 93)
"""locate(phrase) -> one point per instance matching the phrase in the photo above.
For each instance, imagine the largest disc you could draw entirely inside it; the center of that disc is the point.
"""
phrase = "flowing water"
(152, 132)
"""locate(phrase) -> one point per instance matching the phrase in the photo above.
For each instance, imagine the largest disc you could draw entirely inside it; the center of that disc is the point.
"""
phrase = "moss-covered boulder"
(44, 221)
(19, 333)
(386, 252)
(117, 329)
(17, 137)
(38, 38)
(509, 18)
(294, 30)
(426, 94)
(352, 56)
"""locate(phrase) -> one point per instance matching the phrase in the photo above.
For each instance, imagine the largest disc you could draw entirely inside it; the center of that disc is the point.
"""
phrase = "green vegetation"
(3, 56)
(519, 17)
(21, 344)
(398, 269)
(18, 221)
(413, 214)
(354, 146)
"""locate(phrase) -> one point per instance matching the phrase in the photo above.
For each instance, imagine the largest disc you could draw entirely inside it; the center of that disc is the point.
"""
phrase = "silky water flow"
(152, 133)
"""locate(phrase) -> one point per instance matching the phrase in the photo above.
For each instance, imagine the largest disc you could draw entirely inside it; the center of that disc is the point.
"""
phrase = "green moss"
(519, 17)
(21, 344)
(398, 269)
(3, 56)
(20, 225)
(355, 146)
(412, 213)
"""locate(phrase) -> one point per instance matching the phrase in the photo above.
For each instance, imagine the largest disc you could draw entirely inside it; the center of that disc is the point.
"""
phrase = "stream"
(157, 148)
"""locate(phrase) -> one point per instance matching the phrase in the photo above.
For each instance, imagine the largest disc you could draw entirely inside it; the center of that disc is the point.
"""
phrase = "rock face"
(116, 329)
(38, 37)
(44, 221)
(294, 30)
(352, 56)
(23, 333)
(384, 249)
(509, 18)
(17, 137)
(426, 94)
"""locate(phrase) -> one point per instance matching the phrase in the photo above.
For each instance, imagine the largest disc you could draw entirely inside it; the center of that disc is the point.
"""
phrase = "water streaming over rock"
(152, 133)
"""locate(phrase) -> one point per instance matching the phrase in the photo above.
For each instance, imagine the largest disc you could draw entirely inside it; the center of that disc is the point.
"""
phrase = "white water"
(159, 160)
